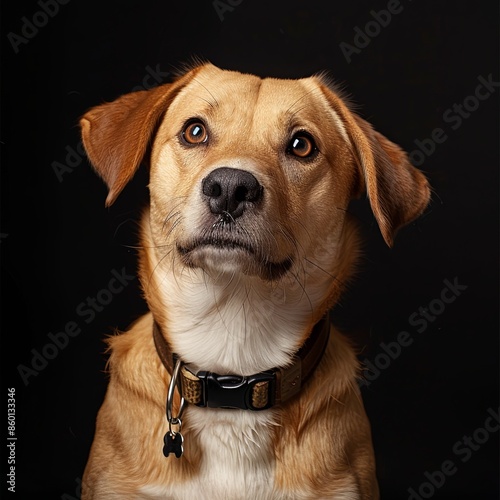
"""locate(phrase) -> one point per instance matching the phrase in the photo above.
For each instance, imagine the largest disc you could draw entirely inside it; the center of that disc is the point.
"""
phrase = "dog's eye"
(302, 145)
(195, 132)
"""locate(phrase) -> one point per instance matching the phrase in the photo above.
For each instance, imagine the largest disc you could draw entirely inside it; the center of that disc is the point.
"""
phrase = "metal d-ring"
(170, 398)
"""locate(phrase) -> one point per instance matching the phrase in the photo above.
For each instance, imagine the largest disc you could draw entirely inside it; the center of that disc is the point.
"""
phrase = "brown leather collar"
(255, 392)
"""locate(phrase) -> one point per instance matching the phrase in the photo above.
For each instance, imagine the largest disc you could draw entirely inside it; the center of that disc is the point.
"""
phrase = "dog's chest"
(237, 458)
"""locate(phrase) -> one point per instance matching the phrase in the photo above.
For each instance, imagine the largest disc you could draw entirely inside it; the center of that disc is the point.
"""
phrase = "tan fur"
(131, 423)
(320, 442)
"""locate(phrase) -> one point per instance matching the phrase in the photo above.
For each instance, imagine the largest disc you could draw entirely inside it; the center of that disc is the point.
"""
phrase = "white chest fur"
(237, 463)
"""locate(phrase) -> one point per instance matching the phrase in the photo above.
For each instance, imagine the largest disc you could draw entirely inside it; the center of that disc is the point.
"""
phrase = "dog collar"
(255, 392)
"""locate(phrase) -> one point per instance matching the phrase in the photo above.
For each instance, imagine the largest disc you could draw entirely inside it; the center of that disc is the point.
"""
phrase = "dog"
(235, 385)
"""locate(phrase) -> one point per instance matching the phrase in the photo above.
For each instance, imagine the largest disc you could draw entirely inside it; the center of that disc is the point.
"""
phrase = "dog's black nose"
(231, 190)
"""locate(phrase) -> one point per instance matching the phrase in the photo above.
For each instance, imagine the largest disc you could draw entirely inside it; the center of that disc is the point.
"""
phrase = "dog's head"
(250, 175)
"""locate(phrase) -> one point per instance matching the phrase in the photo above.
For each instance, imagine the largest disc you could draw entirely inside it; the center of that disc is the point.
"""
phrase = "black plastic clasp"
(233, 391)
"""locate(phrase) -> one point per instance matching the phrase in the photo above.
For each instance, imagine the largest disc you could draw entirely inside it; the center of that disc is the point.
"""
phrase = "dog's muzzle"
(234, 231)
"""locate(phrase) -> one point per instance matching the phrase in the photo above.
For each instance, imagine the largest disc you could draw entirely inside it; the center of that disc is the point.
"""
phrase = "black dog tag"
(173, 444)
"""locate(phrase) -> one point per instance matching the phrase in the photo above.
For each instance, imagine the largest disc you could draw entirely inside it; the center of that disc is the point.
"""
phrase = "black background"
(59, 244)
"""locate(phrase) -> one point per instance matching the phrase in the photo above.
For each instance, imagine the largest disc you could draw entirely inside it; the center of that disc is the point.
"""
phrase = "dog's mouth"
(223, 244)
(220, 250)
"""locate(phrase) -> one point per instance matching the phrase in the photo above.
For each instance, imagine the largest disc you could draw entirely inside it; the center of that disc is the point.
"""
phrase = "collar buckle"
(254, 392)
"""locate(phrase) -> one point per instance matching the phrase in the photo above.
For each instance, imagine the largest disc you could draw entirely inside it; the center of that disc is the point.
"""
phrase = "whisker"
(119, 226)
(174, 225)
(153, 271)
(171, 212)
(304, 292)
(211, 104)
(300, 99)
(336, 278)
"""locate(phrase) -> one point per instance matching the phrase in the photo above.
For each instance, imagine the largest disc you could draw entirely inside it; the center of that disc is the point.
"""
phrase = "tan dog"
(245, 247)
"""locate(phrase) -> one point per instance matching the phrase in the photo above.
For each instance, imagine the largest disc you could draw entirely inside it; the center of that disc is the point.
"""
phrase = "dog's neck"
(230, 325)
(235, 323)
(260, 391)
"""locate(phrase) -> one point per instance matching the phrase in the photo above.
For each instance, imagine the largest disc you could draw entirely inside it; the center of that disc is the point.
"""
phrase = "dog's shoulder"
(326, 411)
(133, 361)
(134, 341)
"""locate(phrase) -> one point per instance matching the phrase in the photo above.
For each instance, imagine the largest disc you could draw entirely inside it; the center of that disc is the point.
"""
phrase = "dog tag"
(173, 444)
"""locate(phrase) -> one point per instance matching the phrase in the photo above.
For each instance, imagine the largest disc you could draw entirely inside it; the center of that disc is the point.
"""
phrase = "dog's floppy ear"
(116, 134)
(397, 191)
